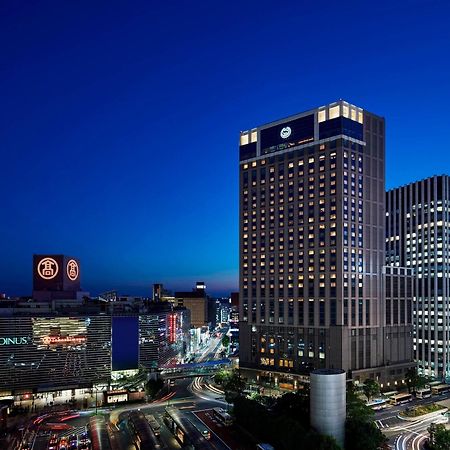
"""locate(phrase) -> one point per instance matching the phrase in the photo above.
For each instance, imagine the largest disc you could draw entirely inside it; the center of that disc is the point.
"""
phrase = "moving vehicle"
(377, 404)
(400, 399)
(222, 416)
(183, 429)
(423, 393)
(440, 389)
(156, 427)
(143, 436)
(201, 427)
(63, 444)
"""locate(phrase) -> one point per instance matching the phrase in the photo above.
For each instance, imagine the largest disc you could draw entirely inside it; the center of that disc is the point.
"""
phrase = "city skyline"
(136, 212)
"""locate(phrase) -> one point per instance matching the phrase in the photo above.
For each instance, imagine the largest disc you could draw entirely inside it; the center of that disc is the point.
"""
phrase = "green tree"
(414, 380)
(152, 387)
(356, 407)
(370, 388)
(221, 376)
(439, 437)
(234, 386)
(294, 405)
(360, 430)
(360, 434)
(226, 341)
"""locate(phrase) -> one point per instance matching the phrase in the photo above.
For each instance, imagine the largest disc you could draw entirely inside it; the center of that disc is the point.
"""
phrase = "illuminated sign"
(47, 268)
(13, 340)
(60, 332)
(285, 132)
(172, 328)
(72, 270)
(63, 340)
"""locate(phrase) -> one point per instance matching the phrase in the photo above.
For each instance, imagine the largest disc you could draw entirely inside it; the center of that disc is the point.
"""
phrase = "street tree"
(414, 380)
(370, 388)
(226, 341)
(439, 437)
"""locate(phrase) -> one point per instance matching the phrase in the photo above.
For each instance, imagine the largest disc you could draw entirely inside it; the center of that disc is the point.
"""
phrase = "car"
(63, 444)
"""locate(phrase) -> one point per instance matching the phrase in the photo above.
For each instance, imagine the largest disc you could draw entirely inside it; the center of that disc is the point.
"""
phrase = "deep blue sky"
(119, 121)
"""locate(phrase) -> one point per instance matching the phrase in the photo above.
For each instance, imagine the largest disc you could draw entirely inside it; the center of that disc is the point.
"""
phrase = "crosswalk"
(381, 425)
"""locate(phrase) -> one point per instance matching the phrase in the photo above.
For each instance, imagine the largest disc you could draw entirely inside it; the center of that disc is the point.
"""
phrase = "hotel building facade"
(312, 234)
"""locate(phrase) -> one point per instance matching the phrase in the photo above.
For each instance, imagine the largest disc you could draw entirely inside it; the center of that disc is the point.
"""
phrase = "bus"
(377, 404)
(183, 430)
(423, 393)
(389, 394)
(156, 427)
(400, 398)
(143, 436)
(201, 427)
(99, 433)
(222, 416)
(440, 389)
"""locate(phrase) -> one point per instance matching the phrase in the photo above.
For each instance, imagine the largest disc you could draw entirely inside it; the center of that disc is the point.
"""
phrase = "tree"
(152, 387)
(414, 380)
(221, 376)
(356, 407)
(294, 405)
(360, 434)
(370, 388)
(439, 437)
(360, 430)
(234, 386)
(226, 341)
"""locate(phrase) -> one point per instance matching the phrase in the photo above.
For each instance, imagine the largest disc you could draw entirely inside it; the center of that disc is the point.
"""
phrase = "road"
(405, 435)
(188, 395)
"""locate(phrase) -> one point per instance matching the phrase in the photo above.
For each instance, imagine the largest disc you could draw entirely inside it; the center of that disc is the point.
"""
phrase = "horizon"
(121, 125)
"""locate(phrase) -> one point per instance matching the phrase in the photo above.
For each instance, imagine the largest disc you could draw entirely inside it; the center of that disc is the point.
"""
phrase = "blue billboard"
(125, 343)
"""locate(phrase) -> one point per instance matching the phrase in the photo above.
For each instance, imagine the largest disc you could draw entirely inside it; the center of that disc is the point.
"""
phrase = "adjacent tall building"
(417, 226)
(312, 234)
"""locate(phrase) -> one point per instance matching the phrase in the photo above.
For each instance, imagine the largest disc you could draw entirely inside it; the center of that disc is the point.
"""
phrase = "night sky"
(119, 121)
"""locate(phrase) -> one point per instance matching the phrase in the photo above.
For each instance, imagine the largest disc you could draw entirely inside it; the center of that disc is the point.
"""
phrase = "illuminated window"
(321, 116)
(333, 112)
(244, 139)
(345, 111)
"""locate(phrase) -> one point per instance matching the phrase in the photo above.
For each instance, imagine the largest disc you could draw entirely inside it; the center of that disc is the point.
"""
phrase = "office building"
(417, 218)
(197, 303)
(312, 228)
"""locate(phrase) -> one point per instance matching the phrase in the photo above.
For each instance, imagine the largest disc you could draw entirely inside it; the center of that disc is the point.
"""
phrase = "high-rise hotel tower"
(312, 246)
(418, 237)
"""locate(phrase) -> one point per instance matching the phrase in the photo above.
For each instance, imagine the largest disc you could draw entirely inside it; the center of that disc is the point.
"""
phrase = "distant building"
(47, 351)
(223, 309)
(197, 303)
(56, 277)
(418, 237)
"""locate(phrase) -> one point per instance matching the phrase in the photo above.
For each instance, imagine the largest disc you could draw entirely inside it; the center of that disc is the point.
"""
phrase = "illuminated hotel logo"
(72, 270)
(285, 132)
(47, 268)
